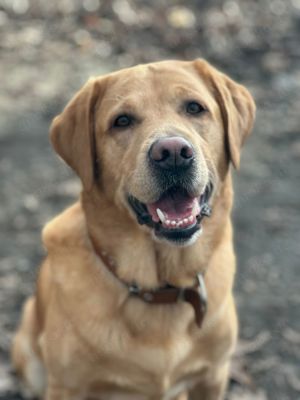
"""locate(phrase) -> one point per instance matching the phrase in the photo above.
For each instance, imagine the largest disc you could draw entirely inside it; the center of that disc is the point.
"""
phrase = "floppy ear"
(237, 108)
(72, 133)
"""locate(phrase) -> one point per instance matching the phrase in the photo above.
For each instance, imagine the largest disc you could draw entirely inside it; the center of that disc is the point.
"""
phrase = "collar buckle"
(134, 289)
(180, 296)
(202, 291)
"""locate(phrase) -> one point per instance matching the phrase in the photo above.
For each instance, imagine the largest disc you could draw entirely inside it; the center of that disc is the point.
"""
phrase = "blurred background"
(48, 49)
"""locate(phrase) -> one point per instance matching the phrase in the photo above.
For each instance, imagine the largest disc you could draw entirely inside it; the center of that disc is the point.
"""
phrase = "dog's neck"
(138, 257)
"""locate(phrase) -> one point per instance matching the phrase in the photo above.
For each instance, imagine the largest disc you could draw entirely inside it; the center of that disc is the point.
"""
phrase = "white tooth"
(173, 223)
(180, 223)
(161, 215)
(167, 222)
(191, 218)
(185, 220)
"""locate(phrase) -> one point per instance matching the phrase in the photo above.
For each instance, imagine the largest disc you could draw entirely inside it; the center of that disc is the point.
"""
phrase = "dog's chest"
(154, 369)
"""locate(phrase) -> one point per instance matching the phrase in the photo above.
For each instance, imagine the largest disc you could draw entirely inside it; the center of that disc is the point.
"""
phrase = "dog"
(134, 298)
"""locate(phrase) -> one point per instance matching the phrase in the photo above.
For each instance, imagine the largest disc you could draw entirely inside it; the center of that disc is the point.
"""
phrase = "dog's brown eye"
(194, 108)
(123, 121)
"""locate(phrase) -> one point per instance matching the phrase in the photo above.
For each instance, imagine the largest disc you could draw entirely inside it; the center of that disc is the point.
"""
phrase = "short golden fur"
(82, 328)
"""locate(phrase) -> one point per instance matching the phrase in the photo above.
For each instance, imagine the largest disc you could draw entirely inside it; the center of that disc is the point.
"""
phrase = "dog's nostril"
(158, 152)
(187, 152)
(164, 155)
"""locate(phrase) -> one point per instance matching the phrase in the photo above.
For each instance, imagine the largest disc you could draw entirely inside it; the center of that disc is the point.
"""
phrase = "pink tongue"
(175, 206)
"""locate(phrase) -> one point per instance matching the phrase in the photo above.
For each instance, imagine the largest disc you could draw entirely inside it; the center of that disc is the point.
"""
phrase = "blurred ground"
(48, 49)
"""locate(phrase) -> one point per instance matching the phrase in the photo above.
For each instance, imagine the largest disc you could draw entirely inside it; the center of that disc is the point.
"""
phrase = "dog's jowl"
(134, 299)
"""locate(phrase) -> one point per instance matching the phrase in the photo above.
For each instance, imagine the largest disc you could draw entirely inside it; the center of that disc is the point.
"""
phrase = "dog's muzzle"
(177, 213)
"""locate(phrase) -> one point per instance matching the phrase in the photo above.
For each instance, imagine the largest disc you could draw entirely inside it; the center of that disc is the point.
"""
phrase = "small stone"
(275, 62)
(20, 6)
(125, 12)
(3, 18)
(31, 202)
(82, 37)
(181, 18)
(91, 5)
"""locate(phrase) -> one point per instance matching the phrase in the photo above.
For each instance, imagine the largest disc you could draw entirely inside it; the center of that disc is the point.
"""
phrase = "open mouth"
(176, 215)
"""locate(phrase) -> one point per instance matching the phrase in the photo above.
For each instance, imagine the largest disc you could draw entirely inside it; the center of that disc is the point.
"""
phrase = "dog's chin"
(175, 217)
(181, 238)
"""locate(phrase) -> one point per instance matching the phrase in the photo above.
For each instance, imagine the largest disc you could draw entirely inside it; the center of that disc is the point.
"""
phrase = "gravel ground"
(48, 49)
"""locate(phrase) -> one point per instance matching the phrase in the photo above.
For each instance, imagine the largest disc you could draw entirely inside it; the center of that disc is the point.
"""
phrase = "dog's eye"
(193, 107)
(123, 121)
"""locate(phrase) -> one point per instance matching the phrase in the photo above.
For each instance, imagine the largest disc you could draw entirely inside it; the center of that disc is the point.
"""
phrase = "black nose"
(172, 152)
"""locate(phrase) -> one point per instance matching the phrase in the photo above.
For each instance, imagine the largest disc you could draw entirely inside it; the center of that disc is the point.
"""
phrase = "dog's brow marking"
(120, 97)
(123, 102)
(186, 90)
(115, 98)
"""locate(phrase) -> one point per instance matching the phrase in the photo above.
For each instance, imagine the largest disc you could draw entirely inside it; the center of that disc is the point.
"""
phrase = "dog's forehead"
(159, 79)
(166, 73)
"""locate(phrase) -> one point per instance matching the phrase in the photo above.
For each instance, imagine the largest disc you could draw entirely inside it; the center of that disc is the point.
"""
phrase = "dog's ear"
(72, 132)
(237, 108)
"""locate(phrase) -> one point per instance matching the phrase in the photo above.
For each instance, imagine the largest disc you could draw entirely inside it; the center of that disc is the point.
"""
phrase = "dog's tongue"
(175, 206)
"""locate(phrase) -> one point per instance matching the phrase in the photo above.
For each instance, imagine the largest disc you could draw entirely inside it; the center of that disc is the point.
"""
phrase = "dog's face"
(156, 139)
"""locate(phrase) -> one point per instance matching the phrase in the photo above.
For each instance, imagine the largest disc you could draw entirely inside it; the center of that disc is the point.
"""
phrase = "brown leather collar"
(168, 294)
(195, 295)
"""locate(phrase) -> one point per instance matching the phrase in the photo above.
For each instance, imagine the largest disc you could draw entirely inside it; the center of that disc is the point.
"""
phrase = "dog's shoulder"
(67, 229)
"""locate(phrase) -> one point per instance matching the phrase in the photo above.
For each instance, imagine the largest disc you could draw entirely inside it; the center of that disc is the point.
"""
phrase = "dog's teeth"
(185, 220)
(161, 215)
(173, 223)
(190, 218)
(167, 222)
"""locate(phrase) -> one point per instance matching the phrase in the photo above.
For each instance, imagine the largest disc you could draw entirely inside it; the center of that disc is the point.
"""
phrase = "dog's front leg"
(182, 396)
(56, 392)
(212, 388)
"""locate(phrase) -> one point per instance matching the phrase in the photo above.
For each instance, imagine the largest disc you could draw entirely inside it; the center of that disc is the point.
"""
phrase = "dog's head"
(157, 139)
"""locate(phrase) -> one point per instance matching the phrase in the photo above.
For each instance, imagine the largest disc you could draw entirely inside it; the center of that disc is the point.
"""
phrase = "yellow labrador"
(134, 299)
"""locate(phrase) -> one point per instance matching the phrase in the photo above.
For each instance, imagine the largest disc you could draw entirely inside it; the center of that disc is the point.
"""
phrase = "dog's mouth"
(176, 215)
